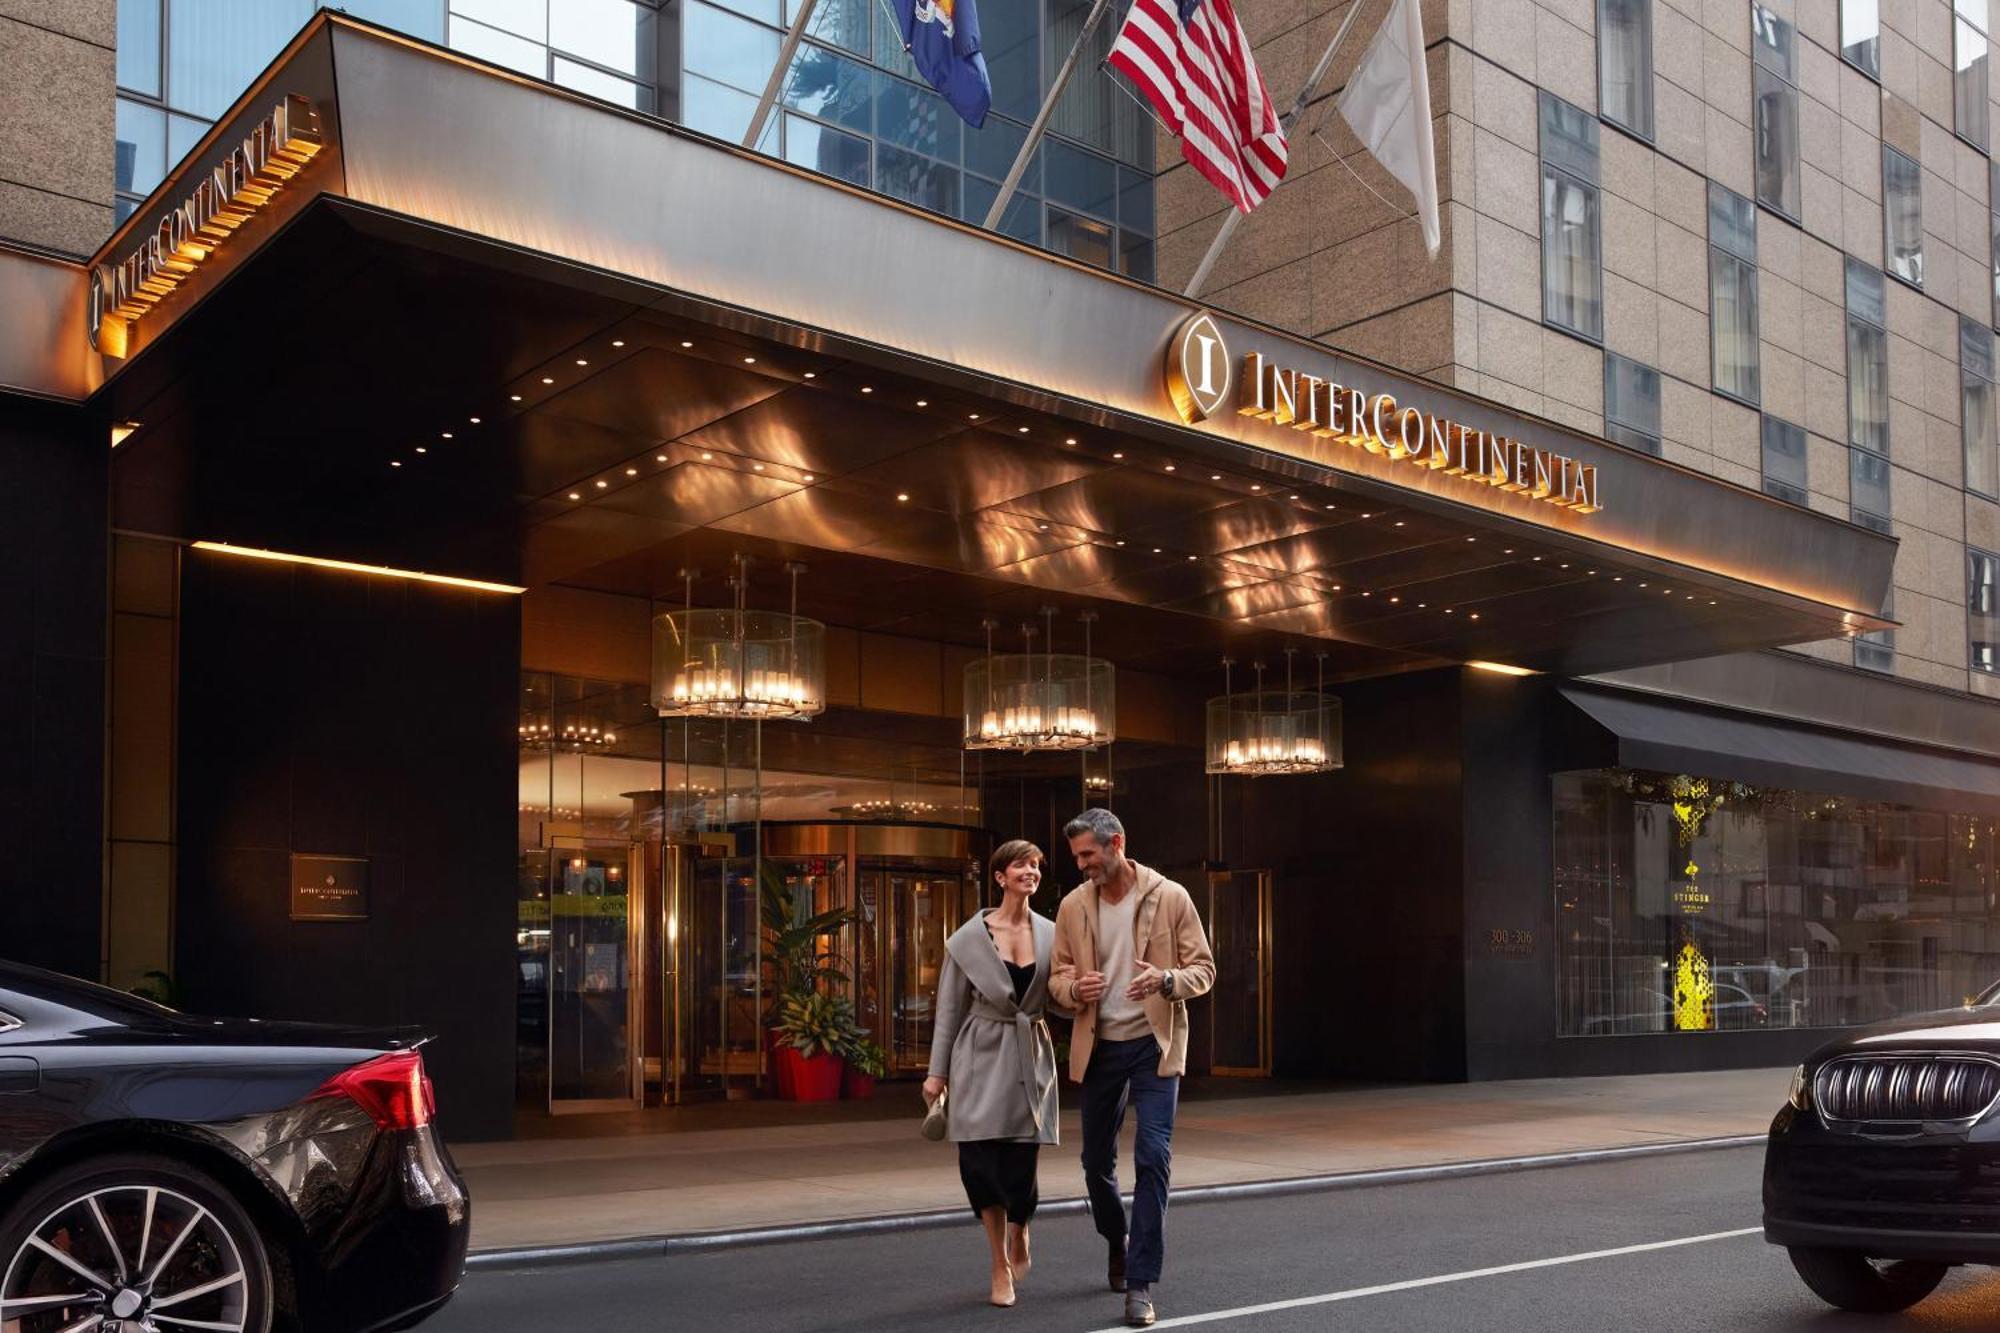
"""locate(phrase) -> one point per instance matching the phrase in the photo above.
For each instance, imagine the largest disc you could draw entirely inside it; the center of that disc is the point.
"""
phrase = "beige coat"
(996, 1058)
(1168, 934)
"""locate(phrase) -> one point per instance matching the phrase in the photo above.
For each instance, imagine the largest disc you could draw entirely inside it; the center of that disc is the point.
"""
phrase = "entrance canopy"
(463, 321)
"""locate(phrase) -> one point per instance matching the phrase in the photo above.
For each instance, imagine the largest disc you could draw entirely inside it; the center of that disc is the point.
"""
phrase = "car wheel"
(135, 1242)
(1851, 1280)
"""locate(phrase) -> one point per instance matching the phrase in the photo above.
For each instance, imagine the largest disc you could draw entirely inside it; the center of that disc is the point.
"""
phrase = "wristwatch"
(1167, 984)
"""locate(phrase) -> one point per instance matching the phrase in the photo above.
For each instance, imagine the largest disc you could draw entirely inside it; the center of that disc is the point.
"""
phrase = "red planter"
(855, 1085)
(781, 1071)
(809, 1080)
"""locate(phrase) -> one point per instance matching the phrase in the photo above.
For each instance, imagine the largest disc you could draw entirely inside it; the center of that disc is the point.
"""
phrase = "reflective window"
(139, 46)
(1868, 482)
(1082, 238)
(616, 35)
(1968, 72)
(1982, 604)
(1732, 293)
(1631, 403)
(1903, 216)
(923, 181)
(723, 47)
(1876, 650)
(1625, 64)
(1688, 903)
(826, 150)
(847, 24)
(1775, 122)
(501, 48)
(141, 154)
(1976, 417)
(1784, 460)
(1861, 36)
(1572, 230)
(1867, 359)
(1993, 195)
(216, 47)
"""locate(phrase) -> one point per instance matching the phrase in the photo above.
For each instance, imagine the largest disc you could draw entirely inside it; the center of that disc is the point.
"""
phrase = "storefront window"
(1694, 904)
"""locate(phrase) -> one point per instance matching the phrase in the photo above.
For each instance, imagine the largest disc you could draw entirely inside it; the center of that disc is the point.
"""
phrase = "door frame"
(1262, 1069)
(635, 987)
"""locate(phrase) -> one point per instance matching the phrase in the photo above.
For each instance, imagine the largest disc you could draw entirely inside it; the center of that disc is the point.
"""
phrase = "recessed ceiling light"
(631, 472)
(422, 450)
(923, 402)
(1156, 550)
(581, 362)
(1329, 506)
(749, 360)
(706, 455)
(1192, 557)
(617, 342)
(1399, 522)
(1256, 486)
(1117, 455)
(1042, 527)
(972, 416)
(1475, 615)
(1021, 429)
(809, 476)
(1423, 606)
(1071, 439)
(1668, 591)
(1170, 467)
(1472, 539)
(1538, 558)
(1562, 566)
(574, 496)
(868, 388)
(1642, 585)
(1508, 551)
(601, 483)
(1367, 594)
(1295, 497)
(1590, 571)
(902, 495)
(1617, 578)
(687, 344)
(514, 397)
(1119, 543)
(1336, 587)
(1394, 600)
(659, 458)
(445, 433)
(1215, 476)
(756, 467)
(547, 380)
(1368, 516)
(473, 420)
(394, 463)
(812, 374)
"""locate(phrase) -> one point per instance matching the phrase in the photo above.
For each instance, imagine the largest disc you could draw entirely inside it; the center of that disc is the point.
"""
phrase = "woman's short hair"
(1017, 849)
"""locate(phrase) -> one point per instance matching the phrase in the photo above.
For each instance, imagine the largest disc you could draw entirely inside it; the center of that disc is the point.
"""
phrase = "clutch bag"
(935, 1122)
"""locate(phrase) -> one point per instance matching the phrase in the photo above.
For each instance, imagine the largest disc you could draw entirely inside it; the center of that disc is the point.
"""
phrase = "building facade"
(1638, 534)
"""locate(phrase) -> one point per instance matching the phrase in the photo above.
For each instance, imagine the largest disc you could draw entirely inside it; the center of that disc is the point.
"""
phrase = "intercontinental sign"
(1201, 376)
(274, 150)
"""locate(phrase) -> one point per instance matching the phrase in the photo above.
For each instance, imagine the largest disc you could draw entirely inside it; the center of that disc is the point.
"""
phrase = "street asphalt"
(1328, 1255)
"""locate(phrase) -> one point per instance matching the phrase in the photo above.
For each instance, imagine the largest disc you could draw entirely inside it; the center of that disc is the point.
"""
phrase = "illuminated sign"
(1200, 372)
(228, 196)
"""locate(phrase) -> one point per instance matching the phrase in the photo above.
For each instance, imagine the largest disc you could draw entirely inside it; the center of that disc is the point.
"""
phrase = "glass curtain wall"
(1693, 904)
(853, 105)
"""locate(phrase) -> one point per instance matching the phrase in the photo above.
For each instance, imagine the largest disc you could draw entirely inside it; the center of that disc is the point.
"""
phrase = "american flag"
(1192, 62)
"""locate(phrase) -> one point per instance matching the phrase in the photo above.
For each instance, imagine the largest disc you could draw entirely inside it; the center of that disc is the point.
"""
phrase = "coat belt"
(1026, 1028)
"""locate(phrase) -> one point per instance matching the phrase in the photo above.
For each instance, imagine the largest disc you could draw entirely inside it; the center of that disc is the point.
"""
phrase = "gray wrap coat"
(995, 1056)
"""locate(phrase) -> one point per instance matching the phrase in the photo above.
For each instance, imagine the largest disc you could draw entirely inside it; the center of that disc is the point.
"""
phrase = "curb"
(657, 1247)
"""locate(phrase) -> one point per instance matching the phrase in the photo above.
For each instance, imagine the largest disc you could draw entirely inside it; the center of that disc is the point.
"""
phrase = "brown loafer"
(1116, 1269)
(1139, 1306)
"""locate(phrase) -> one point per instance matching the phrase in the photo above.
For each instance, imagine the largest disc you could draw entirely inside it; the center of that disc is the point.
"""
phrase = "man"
(1129, 953)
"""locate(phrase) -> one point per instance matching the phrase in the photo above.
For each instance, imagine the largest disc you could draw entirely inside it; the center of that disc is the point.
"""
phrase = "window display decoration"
(1694, 989)
(1264, 732)
(738, 663)
(1030, 701)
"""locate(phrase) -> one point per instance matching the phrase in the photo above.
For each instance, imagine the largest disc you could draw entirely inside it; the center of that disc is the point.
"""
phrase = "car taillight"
(393, 1089)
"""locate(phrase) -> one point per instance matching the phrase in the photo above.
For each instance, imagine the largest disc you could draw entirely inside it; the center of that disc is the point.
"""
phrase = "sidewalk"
(676, 1172)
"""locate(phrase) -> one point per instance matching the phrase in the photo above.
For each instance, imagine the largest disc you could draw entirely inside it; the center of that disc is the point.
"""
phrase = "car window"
(33, 986)
(8, 1022)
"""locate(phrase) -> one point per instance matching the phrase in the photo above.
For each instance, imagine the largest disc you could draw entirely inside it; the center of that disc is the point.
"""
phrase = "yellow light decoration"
(354, 567)
(1694, 991)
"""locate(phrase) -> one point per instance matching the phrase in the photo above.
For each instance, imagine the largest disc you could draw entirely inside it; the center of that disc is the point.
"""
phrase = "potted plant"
(802, 964)
(813, 1028)
(866, 1062)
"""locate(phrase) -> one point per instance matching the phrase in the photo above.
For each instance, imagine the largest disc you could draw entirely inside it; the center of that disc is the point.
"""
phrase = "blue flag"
(942, 36)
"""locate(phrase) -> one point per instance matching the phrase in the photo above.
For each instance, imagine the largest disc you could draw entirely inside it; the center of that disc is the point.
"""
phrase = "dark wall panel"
(347, 715)
(52, 603)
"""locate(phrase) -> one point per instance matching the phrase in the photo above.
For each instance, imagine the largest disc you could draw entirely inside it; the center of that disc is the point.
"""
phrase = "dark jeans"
(1121, 1072)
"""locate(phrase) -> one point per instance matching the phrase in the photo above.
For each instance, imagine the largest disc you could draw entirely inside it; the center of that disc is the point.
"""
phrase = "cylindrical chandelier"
(735, 662)
(1263, 732)
(1039, 701)
(539, 733)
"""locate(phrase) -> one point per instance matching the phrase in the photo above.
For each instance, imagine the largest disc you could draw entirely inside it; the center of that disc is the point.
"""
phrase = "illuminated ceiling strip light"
(388, 571)
(1500, 668)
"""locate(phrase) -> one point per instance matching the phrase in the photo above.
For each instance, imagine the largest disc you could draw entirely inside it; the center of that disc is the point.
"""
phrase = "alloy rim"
(127, 1259)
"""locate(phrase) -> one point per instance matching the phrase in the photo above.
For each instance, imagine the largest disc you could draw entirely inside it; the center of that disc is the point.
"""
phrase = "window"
(1775, 127)
(1867, 359)
(1903, 216)
(1572, 237)
(1976, 416)
(1625, 64)
(1631, 404)
(1993, 188)
(1732, 293)
(1868, 489)
(1784, 460)
(1982, 602)
(1688, 903)
(1876, 650)
(1861, 36)
(1968, 72)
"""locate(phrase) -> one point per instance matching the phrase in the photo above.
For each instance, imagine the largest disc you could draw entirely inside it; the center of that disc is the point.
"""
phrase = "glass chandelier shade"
(1263, 732)
(738, 663)
(1039, 701)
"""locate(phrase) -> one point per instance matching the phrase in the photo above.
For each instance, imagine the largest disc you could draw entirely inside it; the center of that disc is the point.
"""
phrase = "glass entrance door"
(1239, 931)
(918, 907)
(593, 979)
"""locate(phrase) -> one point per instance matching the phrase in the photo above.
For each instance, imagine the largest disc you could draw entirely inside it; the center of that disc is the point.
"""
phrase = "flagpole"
(1291, 118)
(776, 82)
(1022, 158)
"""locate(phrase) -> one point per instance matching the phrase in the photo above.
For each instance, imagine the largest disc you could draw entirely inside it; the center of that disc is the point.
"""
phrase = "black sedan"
(160, 1172)
(1883, 1169)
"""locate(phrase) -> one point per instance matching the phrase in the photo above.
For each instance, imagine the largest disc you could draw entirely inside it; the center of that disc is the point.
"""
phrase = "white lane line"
(1356, 1293)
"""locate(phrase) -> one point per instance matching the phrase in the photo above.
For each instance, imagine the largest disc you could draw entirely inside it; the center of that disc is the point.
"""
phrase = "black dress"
(1000, 1173)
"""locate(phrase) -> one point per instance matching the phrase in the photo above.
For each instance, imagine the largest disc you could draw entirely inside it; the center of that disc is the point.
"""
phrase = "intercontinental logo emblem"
(1204, 381)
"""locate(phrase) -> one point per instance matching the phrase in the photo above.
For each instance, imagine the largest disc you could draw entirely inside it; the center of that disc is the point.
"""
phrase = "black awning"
(1666, 738)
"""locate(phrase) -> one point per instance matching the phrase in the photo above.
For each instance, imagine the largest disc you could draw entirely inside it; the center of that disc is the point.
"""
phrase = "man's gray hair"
(1099, 823)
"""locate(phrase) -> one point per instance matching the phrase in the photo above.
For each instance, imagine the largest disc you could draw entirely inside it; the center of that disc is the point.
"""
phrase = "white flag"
(1388, 104)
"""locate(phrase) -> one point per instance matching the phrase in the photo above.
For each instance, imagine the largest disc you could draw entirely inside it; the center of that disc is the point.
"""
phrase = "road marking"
(1356, 1293)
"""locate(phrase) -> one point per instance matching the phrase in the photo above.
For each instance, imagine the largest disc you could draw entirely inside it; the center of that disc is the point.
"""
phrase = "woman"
(992, 1048)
